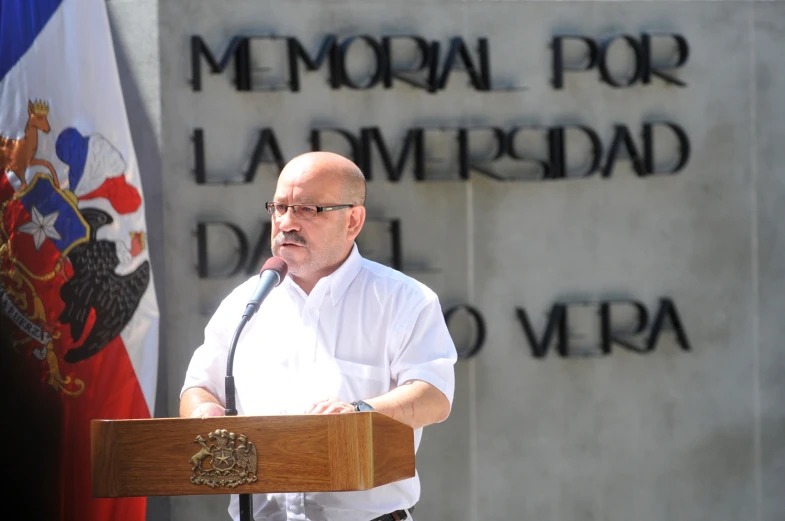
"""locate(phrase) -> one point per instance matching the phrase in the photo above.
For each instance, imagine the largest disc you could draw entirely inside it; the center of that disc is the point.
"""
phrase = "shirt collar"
(341, 279)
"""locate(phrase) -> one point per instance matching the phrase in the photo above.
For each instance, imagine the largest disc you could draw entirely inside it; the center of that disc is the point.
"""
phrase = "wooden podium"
(192, 456)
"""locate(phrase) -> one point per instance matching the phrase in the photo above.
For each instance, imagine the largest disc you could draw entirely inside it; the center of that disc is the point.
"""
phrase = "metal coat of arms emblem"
(228, 461)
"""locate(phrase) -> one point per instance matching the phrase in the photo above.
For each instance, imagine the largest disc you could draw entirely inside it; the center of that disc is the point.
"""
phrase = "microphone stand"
(273, 267)
(246, 500)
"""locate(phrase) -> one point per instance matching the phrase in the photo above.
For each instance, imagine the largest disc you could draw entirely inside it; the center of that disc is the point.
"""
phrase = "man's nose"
(288, 221)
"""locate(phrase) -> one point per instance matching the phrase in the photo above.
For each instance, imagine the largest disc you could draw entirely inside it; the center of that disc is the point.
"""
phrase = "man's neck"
(305, 283)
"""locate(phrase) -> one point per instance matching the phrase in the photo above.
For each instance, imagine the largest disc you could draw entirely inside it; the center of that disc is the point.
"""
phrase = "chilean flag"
(77, 298)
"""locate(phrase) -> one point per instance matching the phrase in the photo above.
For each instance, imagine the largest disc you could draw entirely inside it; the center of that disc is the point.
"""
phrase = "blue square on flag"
(52, 216)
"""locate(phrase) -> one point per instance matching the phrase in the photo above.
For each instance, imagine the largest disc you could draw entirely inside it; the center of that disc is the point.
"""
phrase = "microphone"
(272, 274)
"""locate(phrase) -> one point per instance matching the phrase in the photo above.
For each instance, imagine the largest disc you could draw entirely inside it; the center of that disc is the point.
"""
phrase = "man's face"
(309, 245)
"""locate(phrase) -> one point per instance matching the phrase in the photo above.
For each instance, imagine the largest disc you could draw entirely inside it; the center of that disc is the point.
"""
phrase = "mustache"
(292, 237)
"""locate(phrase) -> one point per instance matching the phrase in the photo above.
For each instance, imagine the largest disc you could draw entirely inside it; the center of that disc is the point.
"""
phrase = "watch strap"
(361, 406)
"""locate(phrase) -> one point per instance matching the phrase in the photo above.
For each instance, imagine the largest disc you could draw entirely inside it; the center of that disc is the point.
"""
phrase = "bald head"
(315, 244)
(332, 169)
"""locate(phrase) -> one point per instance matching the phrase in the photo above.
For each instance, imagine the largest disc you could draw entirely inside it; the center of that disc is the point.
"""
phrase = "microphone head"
(277, 265)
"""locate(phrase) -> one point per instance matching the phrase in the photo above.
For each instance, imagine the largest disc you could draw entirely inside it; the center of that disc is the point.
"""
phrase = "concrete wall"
(668, 435)
(135, 31)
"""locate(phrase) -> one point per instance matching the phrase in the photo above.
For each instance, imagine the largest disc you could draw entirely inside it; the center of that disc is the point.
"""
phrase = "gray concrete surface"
(670, 435)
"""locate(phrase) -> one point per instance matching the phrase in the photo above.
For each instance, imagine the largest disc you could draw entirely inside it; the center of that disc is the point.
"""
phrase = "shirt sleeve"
(207, 368)
(424, 349)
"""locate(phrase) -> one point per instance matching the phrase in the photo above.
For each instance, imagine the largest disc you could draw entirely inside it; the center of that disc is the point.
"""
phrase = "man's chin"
(293, 255)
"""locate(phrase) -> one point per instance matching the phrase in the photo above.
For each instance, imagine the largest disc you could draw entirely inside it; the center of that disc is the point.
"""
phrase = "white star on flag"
(41, 227)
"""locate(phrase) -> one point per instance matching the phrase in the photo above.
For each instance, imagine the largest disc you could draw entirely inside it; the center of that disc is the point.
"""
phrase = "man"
(340, 334)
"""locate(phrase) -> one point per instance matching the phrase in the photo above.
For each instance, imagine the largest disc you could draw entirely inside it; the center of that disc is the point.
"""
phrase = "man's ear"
(356, 221)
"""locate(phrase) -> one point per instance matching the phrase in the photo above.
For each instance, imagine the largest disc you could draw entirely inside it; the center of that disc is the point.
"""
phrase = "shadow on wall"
(148, 157)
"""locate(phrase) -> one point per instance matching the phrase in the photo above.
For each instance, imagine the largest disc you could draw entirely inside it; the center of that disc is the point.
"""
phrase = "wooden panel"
(351, 455)
(151, 457)
(393, 450)
(309, 453)
(104, 478)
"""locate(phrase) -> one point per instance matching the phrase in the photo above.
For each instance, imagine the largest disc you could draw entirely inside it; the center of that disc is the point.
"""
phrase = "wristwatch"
(361, 406)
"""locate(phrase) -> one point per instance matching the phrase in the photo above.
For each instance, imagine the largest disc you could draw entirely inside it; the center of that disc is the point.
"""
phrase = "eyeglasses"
(305, 211)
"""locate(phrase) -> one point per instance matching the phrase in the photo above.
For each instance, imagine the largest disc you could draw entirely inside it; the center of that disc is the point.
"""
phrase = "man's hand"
(199, 403)
(330, 406)
(207, 410)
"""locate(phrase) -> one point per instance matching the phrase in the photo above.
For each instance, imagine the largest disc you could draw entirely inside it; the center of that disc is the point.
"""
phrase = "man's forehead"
(297, 196)
(302, 195)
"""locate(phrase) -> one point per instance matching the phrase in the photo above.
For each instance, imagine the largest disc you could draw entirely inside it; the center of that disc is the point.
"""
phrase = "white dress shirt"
(362, 331)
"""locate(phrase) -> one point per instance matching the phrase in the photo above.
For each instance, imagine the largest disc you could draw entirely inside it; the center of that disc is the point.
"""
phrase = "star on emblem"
(41, 227)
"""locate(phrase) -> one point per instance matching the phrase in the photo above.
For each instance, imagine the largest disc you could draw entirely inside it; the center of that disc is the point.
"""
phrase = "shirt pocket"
(361, 381)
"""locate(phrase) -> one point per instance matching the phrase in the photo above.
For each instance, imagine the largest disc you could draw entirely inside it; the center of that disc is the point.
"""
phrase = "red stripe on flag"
(111, 392)
(6, 189)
